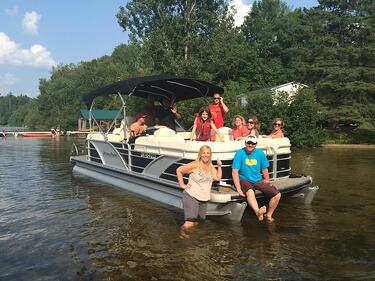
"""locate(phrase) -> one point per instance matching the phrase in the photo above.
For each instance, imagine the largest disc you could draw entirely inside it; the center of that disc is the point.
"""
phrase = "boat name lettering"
(148, 155)
(110, 154)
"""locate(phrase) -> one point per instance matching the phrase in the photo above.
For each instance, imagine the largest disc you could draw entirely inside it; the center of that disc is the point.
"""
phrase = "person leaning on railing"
(239, 129)
(253, 125)
(204, 126)
(278, 125)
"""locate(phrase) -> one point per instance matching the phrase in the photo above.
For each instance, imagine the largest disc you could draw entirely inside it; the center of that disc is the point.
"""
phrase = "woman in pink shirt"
(239, 130)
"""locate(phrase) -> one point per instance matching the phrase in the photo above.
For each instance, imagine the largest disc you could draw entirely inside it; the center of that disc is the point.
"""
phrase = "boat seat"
(165, 132)
(226, 132)
(119, 133)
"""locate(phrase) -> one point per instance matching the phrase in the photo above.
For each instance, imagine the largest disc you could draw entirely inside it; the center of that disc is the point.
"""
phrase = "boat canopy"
(158, 86)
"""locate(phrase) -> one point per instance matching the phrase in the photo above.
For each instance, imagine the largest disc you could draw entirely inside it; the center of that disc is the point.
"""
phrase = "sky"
(36, 35)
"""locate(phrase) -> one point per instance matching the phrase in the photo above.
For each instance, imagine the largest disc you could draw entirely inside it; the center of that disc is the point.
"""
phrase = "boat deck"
(281, 184)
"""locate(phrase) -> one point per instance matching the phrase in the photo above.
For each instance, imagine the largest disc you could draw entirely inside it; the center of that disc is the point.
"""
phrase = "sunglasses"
(277, 124)
(250, 143)
(216, 98)
(250, 122)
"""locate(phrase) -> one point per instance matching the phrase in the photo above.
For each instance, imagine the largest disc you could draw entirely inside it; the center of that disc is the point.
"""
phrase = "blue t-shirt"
(249, 165)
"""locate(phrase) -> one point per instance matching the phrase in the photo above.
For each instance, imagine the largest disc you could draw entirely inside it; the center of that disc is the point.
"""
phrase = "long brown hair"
(205, 109)
(256, 121)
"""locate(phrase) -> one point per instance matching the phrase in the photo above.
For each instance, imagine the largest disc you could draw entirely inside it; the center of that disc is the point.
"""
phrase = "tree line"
(329, 47)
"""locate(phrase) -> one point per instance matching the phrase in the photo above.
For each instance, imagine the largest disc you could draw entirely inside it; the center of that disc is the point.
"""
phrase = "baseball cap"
(252, 139)
(140, 115)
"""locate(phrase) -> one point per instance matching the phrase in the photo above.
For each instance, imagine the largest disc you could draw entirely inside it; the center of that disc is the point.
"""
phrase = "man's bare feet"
(269, 218)
(260, 214)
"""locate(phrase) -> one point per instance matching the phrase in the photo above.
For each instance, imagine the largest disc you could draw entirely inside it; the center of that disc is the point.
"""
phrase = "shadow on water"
(59, 227)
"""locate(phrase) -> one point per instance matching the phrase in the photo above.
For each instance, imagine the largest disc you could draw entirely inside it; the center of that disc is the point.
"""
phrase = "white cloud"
(11, 11)
(12, 53)
(30, 22)
(241, 10)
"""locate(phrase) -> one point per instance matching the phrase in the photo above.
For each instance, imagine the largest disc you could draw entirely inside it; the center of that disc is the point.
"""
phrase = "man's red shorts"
(266, 188)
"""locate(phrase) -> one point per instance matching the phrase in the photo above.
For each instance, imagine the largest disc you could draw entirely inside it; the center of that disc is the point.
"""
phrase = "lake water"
(54, 226)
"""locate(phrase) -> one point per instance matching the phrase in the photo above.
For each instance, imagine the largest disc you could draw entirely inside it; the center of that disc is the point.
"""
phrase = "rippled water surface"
(54, 226)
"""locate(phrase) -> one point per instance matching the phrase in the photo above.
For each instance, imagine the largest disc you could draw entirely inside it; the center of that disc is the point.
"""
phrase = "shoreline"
(336, 145)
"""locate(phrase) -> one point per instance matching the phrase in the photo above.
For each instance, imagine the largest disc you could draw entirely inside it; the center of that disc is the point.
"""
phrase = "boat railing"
(77, 150)
(274, 159)
(274, 153)
(183, 152)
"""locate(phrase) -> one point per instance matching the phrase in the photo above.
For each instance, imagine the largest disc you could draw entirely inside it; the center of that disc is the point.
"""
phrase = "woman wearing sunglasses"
(278, 125)
(253, 125)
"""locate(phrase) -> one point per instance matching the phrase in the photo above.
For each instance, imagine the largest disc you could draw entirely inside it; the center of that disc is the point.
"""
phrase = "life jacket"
(203, 131)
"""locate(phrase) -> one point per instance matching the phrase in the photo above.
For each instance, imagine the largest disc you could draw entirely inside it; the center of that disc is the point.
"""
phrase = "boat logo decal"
(110, 154)
(148, 155)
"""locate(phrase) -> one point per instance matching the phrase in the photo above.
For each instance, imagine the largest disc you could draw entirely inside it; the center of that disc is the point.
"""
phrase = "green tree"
(303, 120)
(9, 105)
(172, 33)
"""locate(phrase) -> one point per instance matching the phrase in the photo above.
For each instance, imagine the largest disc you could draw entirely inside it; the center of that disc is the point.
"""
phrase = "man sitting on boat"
(139, 126)
(246, 167)
(166, 113)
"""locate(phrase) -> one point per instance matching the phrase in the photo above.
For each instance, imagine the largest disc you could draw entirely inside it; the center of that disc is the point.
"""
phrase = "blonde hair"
(234, 120)
(199, 160)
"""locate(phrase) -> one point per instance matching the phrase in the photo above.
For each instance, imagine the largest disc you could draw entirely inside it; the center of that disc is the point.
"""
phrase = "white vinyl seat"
(226, 132)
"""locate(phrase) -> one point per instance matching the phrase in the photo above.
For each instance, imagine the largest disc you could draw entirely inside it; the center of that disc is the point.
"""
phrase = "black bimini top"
(173, 88)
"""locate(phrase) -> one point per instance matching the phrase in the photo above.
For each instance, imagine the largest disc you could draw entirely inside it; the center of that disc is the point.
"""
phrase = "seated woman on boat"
(198, 189)
(203, 126)
(278, 125)
(138, 127)
(253, 125)
(239, 130)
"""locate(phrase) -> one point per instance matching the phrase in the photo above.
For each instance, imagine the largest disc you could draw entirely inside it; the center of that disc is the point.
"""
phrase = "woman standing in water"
(198, 189)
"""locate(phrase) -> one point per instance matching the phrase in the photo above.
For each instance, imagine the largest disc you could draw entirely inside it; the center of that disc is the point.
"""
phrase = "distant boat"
(38, 135)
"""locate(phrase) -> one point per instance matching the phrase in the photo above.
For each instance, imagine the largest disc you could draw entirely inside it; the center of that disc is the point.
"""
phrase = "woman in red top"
(239, 130)
(203, 125)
